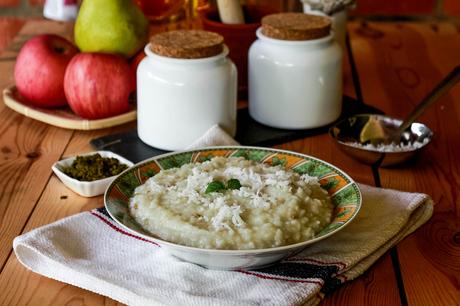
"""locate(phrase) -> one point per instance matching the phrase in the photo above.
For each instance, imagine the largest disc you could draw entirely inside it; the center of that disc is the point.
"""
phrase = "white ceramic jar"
(178, 100)
(295, 84)
(338, 18)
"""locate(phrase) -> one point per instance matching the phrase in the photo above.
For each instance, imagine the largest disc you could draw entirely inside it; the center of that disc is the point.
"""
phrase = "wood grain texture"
(27, 150)
(56, 202)
(348, 85)
(320, 146)
(394, 7)
(9, 3)
(451, 7)
(9, 27)
(18, 286)
(377, 286)
(403, 62)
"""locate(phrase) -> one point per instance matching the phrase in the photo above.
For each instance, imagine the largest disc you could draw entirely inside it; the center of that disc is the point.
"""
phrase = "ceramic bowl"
(344, 192)
(84, 188)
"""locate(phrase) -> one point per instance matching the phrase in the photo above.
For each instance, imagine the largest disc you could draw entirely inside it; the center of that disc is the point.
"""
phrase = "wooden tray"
(62, 117)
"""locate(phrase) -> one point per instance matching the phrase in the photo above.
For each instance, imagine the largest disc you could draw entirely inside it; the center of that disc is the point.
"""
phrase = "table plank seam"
(354, 70)
(398, 275)
(393, 251)
(375, 173)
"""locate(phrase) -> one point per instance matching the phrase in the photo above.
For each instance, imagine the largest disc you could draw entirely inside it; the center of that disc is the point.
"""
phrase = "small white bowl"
(86, 188)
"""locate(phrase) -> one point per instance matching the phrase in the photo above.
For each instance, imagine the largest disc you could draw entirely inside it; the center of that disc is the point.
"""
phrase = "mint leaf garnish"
(233, 184)
(215, 186)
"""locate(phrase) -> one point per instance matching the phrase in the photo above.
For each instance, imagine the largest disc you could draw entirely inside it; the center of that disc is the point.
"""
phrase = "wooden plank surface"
(27, 147)
(9, 27)
(53, 196)
(378, 286)
(26, 166)
(56, 202)
(398, 64)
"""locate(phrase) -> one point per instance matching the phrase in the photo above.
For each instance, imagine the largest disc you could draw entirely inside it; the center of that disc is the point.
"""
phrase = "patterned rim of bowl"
(345, 194)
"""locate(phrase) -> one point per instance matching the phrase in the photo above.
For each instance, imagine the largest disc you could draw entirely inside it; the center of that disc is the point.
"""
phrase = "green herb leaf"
(233, 184)
(215, 186)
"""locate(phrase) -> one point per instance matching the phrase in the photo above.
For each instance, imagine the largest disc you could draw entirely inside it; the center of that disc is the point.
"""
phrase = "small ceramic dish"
(344, 192)
(86, 188)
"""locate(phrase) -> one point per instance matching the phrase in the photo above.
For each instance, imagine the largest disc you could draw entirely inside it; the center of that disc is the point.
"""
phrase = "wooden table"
(396, 65)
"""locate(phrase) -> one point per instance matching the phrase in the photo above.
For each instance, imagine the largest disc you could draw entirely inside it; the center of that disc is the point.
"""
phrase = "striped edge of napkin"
(91, 251)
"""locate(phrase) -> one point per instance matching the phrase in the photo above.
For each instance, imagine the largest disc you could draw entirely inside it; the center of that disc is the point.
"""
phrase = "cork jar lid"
(295, 26)
(187, 44)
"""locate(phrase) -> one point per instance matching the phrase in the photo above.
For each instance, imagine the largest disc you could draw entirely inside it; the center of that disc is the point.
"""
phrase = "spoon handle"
(447, 83)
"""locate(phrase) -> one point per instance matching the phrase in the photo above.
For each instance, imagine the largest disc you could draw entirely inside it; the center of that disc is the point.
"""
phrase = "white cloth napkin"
(91, 251)
(215, 136)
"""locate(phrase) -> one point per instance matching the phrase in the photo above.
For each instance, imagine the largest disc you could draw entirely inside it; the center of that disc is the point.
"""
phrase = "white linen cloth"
(215, 136)
(91, 251)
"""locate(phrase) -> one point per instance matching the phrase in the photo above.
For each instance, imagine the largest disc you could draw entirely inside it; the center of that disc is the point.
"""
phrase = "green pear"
(111, 26)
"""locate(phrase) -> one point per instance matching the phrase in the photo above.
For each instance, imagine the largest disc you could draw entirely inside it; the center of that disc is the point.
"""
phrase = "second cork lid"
(295, 26)
(187, 44)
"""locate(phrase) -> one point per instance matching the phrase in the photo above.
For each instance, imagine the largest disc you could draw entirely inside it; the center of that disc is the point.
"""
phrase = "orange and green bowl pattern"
(344, 192)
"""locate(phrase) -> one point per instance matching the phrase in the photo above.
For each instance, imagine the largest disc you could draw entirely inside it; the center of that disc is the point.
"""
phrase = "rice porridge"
(231, 203)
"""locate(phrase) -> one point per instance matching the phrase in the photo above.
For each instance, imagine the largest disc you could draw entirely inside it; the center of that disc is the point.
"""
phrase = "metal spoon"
(376, 133)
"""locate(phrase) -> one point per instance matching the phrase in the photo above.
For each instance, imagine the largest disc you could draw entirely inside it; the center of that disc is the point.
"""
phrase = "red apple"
(97, 85)
(40, 68)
